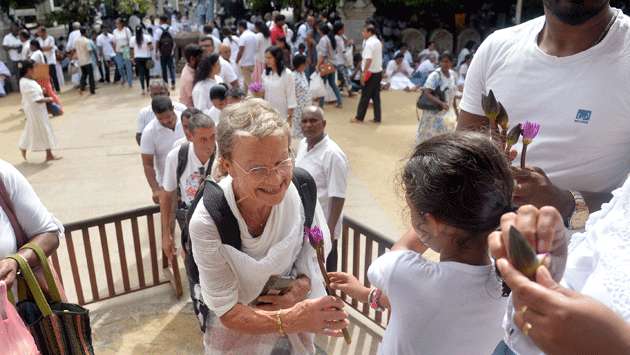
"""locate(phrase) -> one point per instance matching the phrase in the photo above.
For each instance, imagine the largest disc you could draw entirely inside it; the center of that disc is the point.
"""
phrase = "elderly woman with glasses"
(254, 145)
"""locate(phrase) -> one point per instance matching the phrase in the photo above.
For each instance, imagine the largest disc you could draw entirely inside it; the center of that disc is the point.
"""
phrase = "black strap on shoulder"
(307, 189)
(215, 202)
(182, 161)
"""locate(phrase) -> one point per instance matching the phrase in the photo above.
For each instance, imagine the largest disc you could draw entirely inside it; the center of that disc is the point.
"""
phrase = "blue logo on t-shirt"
(583, 116)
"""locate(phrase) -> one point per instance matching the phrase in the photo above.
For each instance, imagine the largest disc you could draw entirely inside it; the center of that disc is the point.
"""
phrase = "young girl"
(457, 187)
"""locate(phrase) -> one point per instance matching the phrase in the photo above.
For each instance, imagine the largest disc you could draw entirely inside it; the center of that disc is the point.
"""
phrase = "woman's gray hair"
(253, 116)
(199, 120)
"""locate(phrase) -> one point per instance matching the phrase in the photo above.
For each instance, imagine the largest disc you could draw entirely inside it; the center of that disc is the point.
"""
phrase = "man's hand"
(168, 246)
(562, 321)
(8, 271)
(156, 195)
(544, 231)
(534, 187)
(297, 293)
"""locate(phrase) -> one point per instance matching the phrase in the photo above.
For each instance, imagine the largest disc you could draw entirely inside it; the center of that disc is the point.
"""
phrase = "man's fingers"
(550, 227)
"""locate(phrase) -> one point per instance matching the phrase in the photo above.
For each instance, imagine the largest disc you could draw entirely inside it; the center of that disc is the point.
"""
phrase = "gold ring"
(523, 310)
(526, 328)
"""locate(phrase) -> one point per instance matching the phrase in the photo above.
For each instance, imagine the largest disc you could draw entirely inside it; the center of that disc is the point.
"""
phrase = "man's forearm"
(239, 55)
(166, 212)
(336, 207)
(149, 173)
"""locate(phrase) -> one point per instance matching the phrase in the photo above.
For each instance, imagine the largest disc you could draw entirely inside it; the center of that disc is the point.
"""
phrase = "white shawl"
(229, 276)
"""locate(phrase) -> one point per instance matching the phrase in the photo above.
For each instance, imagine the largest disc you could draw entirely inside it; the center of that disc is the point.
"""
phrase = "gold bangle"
(279, 324)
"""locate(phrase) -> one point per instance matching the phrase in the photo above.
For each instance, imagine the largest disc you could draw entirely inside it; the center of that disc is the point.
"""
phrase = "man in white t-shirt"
(186, 167)
(567, 71)
(76, 26)
(157, 140)
(304, 29)
(318, 154)
(12, 44)
(47, 43)
(84, 50)
(231, 70)
(208, 32)
(372, 75)
(246, 57)
(104, 43)
(146, 115)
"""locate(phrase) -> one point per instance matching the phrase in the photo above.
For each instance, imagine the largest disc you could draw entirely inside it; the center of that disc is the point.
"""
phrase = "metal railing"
(357, 251)
(111, 259)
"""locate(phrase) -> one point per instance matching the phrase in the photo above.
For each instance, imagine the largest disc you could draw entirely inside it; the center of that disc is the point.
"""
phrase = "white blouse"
(201, 93)
(598, 264)
(280, 91)
(262, 44)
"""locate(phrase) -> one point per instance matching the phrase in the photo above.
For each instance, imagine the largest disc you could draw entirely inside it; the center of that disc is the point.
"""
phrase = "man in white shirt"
(186, 167)
(12, 44)
(39, 226)
(406, 54)
(229, 75)
(76, 26)
(304, 29)
(104, 43)
(246, 57)
(157, 140)
(430, 50)
(208, 31)
(372, 75)
(48, 47)
(165, 47)
(319, 155)
(146, 114)
(83, 50)
(582, 151)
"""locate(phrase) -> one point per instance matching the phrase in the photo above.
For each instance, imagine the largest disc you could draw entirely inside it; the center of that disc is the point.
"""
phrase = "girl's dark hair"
(139, 35)
(338, 26)
(204, 68)
(446, 55)
(192, 51)
(295, 32)
(356, 57)
(262, 28)
(227, 33)
(298, 60)
(278, 55)
(325, 30)
(35, 43)
(26, 65)
(283, 40)
(462, 179)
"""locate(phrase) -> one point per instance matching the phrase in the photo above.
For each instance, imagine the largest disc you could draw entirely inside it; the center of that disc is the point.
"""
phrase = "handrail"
(111, 218)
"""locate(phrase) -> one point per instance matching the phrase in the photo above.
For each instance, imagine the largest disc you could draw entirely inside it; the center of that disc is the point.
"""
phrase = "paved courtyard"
(101, 173)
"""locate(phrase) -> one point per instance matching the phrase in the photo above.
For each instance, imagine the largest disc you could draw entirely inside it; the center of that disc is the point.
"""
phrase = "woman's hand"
(298, 291)
(562, 321)
(348, 284)
(324, 315)
(544, 230)
(8, 271)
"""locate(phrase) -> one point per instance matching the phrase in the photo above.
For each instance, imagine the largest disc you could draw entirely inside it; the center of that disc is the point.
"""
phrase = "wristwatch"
(580, 213)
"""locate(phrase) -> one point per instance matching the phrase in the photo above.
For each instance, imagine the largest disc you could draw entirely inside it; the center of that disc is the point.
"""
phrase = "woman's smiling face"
(261, 167)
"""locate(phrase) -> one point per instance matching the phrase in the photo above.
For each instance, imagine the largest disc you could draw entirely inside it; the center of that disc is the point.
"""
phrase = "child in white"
(457, 186)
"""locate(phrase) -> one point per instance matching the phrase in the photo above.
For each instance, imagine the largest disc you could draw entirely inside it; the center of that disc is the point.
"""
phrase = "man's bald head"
(225, 51)
(158, 87)
(313, 112)
(313, 124)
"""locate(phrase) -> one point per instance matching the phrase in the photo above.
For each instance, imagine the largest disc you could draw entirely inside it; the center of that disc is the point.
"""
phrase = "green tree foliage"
(127, 7)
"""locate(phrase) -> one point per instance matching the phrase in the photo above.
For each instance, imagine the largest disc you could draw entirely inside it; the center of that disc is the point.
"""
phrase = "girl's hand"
(348, 284)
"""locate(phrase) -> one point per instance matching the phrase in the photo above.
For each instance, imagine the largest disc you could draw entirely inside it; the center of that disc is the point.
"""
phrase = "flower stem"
(523, 156)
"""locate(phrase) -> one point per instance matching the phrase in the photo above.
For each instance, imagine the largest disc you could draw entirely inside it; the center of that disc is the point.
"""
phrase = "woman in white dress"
(399, 73)
(206, 76)
(278, 84)
(302, 93)
(263, 41)
(38, 134)
(254, 145)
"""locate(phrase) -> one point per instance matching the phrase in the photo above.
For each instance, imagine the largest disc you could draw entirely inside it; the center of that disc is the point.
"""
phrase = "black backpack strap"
(307, 189)
(182, 161)
(215, 202)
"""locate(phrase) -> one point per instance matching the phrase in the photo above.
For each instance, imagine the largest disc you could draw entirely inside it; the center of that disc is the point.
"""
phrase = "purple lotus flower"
(256, 86)
(530, 131)
(315, 236)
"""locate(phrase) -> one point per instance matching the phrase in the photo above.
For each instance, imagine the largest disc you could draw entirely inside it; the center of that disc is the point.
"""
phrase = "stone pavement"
(101, 173)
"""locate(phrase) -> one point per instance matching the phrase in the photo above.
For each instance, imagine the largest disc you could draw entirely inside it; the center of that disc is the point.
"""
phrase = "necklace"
(607, 29)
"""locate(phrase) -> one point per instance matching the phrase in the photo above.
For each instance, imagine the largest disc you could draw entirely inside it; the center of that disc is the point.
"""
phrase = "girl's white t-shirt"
(441, 308)
(141, 51)
(121, 39)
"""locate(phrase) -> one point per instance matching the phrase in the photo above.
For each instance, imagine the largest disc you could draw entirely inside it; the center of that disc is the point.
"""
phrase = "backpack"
(213, 199)
(166, 43)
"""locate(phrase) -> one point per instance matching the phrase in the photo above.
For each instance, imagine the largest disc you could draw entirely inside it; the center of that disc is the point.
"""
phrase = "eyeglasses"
(260, 173)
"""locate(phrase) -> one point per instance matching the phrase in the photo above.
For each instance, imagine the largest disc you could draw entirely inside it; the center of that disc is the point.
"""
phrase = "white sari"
(38, 134)
(229, 276)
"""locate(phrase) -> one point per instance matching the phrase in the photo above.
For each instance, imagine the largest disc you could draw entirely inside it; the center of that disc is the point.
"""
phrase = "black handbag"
(424, 103)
